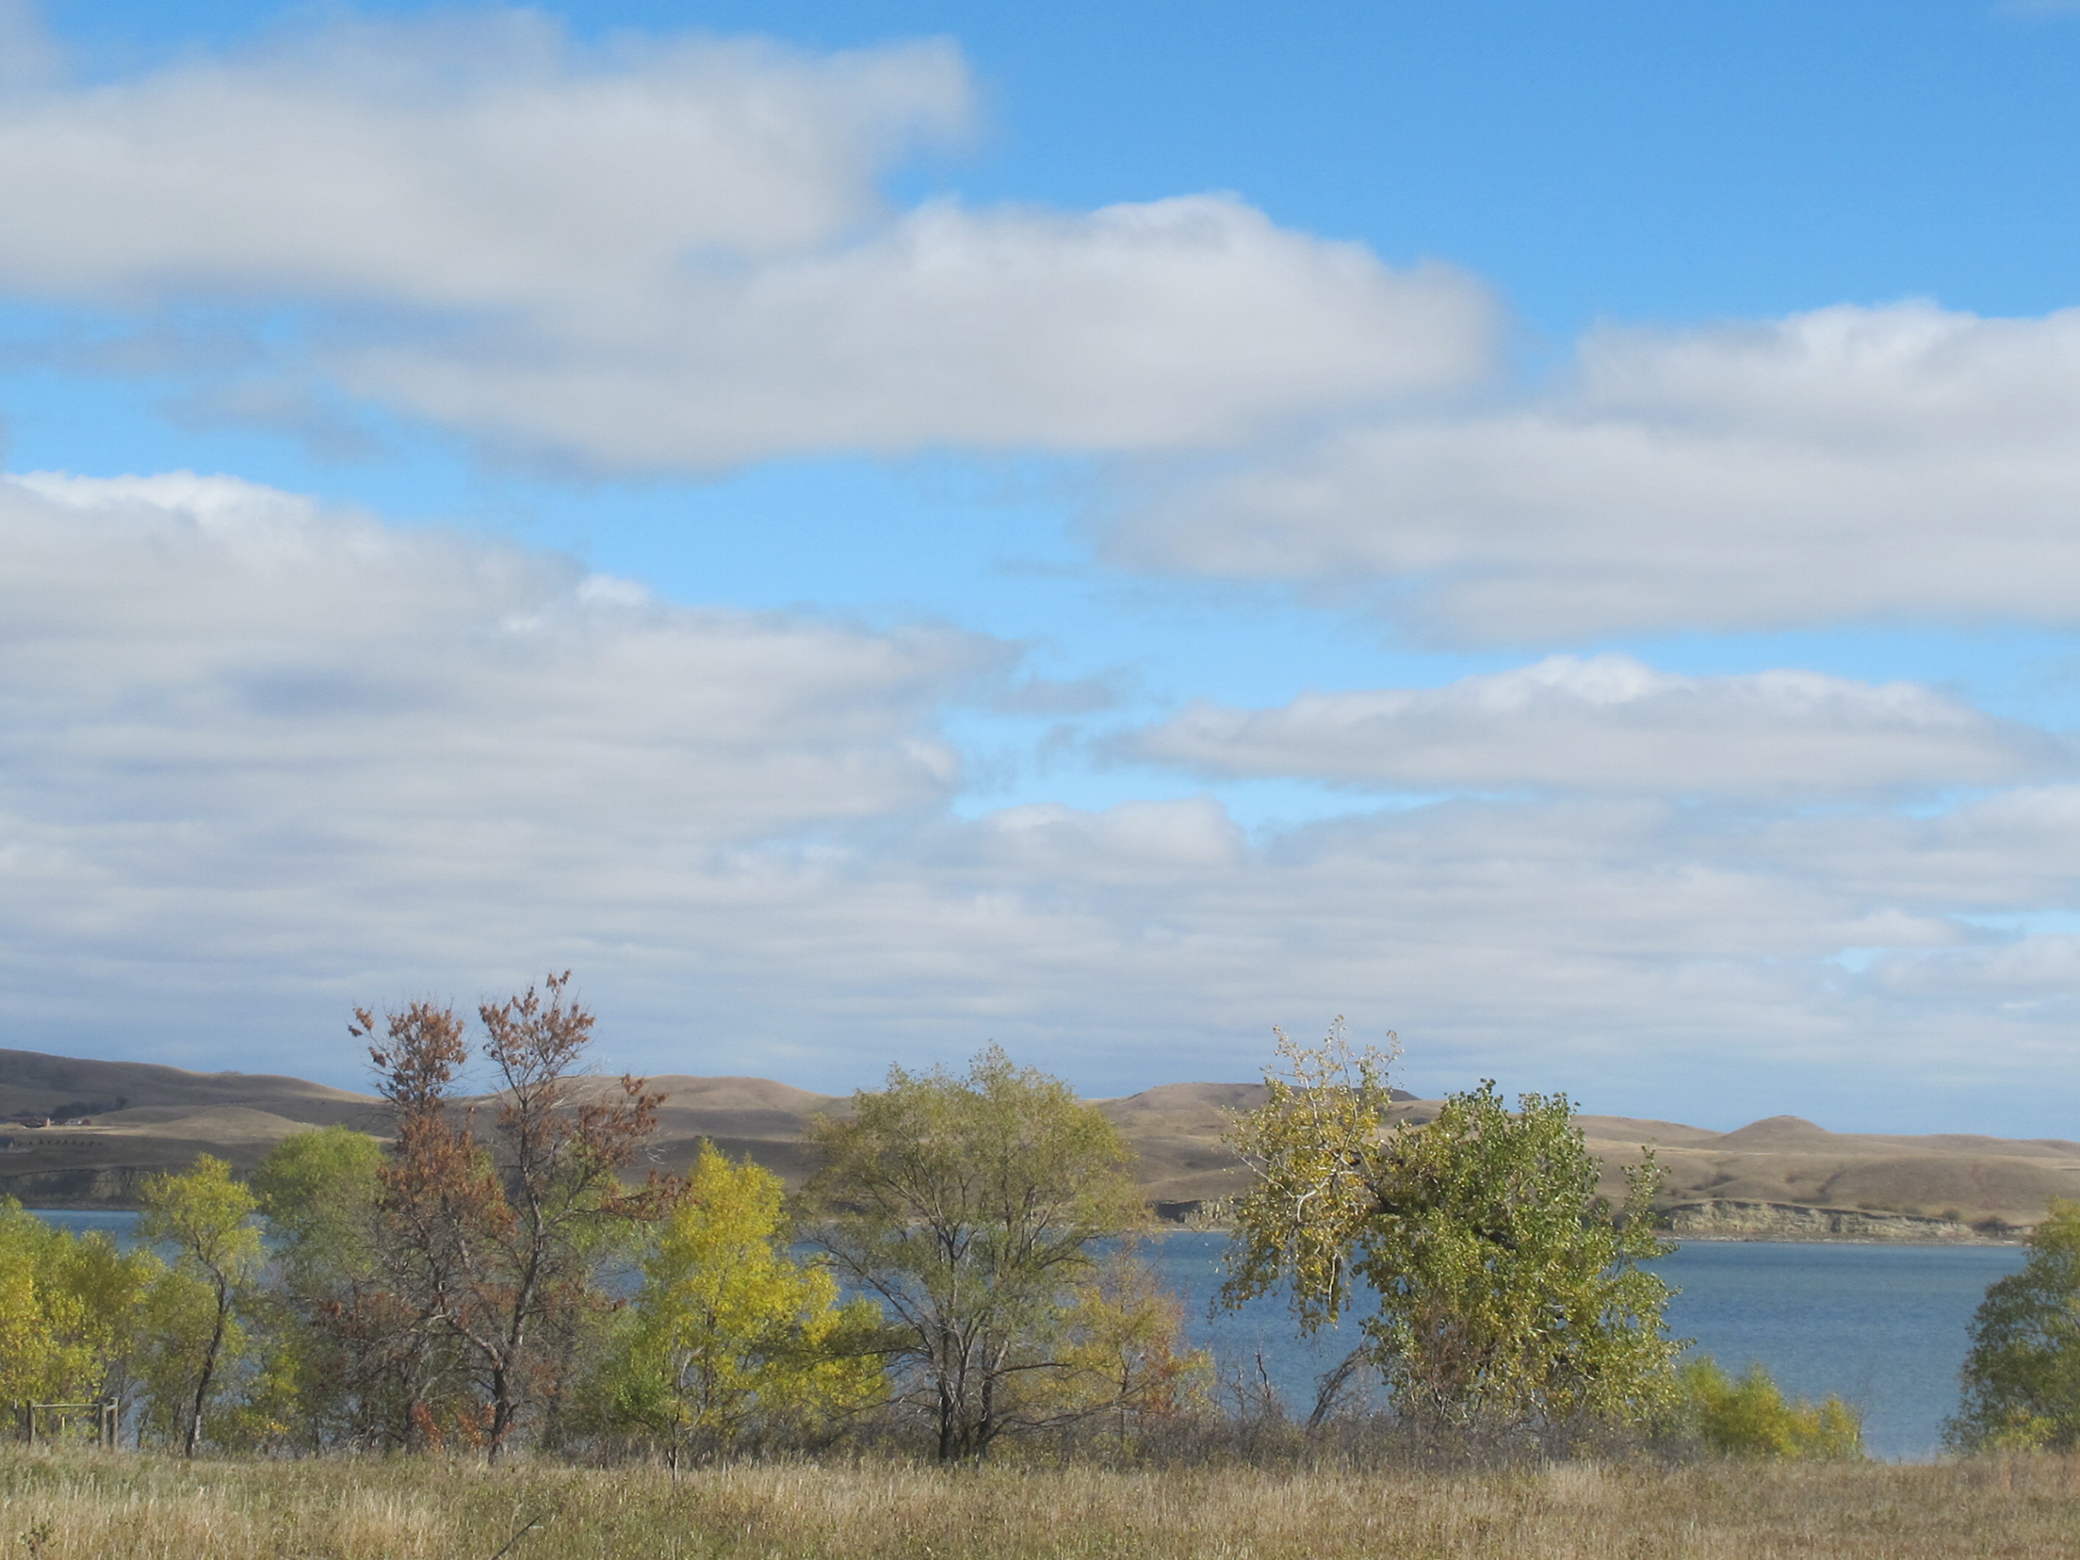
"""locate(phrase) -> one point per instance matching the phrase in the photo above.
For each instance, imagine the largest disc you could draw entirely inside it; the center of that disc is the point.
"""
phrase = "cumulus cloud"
(673, 254)
(1611, 723)
(1628, 949)
(1878, 464)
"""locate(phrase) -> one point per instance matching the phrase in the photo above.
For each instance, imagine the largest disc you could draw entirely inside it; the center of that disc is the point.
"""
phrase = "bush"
(1751, 1417)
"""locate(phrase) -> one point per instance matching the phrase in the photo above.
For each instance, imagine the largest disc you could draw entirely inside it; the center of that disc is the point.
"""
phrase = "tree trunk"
(501, 1411)
(948, 1423)
(209, 1371)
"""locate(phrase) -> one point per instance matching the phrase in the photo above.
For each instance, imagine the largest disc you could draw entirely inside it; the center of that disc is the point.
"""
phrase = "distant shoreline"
(1778, 1239)
(1779, 1179)
(1167, 1227)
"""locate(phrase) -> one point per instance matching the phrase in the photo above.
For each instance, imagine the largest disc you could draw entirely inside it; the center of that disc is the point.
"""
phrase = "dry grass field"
(77, 1505)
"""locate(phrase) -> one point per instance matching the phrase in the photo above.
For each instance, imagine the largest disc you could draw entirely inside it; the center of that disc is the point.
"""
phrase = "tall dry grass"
(71, 1505)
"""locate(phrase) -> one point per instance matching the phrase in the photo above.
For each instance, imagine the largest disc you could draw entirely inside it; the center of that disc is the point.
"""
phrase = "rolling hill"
(1782, 1177)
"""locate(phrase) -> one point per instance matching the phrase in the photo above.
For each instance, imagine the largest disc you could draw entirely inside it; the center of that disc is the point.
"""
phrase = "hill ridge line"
(1781, 1174)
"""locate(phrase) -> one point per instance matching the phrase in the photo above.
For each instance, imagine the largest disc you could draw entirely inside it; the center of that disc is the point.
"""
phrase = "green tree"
(970, 1207)
(1750, 1416)
(2022, 1376)
(207, 1218)
(1509, 1294)
(731, 1337)
(177, 1320)
(343, 1342)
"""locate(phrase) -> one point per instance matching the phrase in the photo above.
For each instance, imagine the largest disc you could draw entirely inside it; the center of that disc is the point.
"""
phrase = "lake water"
(1883, 1326)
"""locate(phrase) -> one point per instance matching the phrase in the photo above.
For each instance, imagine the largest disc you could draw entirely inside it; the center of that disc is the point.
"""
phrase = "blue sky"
(868, 529)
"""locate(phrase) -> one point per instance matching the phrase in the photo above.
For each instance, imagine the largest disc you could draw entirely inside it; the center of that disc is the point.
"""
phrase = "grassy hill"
(1779, 1177)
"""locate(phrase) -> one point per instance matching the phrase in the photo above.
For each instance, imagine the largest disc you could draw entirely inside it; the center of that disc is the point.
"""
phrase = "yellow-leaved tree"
(69, 1308)
(191, 1310)
(1125, 1364)
(732, 1341)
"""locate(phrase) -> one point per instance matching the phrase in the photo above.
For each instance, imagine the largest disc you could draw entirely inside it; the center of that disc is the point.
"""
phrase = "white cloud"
(1178, 323)
(672, 255)
(478, 163)
(261, 760)
(1611, 723)
(1887, 464)
(202, 648)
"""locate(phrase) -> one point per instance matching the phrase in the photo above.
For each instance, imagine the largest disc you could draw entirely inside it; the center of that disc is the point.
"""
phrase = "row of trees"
(487, 1277)
(958, 1264)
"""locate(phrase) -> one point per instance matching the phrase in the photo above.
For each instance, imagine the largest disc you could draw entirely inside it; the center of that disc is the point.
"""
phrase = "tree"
(434, 1191)
(207, 1218)
(1750, 1416)
(2022, 1375)
(561, 1146)
(1124, 1353)
(1509, 1294)
(336, 1324)
(496, 1245)
(730, 1336)
(971, 1207)
(69, 1309)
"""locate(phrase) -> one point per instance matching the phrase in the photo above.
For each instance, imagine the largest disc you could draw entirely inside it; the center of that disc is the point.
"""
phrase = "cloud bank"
(260, 760)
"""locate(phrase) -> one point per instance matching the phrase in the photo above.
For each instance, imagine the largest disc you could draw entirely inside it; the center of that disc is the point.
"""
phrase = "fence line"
(105, 1411)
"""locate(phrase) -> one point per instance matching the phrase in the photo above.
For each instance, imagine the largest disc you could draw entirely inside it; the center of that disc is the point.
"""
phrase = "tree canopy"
(70, 1307)
(731, 1338)
(2022, 1376)
(206, 1217)
(972, 1207)
(491, 1247)
(1506, 1292)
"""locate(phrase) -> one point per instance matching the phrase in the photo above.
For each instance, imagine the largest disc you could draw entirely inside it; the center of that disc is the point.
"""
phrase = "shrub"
(1751, 1417)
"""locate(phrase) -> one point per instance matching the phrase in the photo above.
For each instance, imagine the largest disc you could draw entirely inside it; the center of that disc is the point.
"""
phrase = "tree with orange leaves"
(494, 1245)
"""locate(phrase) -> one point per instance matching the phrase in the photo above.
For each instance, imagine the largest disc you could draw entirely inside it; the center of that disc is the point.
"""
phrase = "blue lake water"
(122, 1225)
(1883, 1326)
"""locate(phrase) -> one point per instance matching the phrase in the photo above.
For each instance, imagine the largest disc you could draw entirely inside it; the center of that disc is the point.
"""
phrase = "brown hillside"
(31, 1081)
(1780, 1176)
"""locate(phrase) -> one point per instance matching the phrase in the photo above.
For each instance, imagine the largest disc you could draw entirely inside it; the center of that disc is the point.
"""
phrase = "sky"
(863, 530)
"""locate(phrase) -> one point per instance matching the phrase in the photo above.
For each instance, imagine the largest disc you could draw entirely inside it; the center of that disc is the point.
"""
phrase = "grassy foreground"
(79, 1504)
